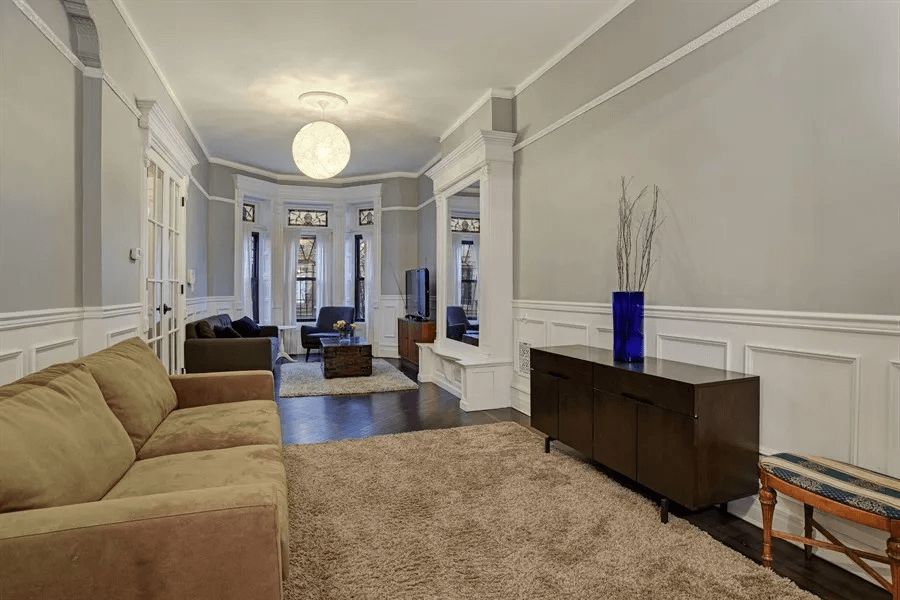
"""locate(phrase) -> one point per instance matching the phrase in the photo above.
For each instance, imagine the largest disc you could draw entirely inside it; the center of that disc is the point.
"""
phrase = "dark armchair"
(310, 335)
(458, 324)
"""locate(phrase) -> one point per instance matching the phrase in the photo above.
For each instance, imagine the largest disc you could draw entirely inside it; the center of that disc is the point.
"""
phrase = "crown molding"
(265, 190)
(199, 187)
(609, 16)
(129, 22)
(491, 93)
(429, 164)
(695, 44)
(290, 177)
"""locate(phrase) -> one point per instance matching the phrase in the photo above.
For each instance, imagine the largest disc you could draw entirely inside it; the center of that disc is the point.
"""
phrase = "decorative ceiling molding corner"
(491, 93)
(129, 22)
(609, 16)
(479, 149)
(164, 137)
(87, 41)
(199, 187)
(289, 177)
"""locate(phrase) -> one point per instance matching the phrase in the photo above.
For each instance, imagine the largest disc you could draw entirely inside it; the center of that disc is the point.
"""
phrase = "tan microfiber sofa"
(118, 481)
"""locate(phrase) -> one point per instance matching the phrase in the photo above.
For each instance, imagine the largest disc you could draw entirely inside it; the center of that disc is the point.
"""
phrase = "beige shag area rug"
(482, 513)
(306, 379)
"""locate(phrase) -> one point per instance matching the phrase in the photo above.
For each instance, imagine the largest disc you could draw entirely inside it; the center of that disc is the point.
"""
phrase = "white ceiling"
(409, 68)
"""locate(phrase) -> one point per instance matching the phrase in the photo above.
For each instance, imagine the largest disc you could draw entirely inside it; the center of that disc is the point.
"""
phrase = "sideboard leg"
(547, 441)
(664, 510)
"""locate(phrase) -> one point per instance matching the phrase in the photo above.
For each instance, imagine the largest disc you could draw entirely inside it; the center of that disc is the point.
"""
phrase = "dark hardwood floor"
(318, 419)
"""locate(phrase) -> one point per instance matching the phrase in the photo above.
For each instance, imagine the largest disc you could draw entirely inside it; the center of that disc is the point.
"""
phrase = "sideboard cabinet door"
(576, 415)
(545, 403)
(665, 453)
(615, 433)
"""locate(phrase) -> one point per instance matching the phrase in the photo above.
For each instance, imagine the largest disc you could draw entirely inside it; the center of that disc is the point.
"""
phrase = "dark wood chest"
(687, 432)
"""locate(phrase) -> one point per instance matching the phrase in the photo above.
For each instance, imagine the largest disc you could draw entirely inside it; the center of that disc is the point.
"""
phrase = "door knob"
(166, 308)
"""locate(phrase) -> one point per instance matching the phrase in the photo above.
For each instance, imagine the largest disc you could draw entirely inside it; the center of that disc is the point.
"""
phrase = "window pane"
(306, 279)
(469, 280)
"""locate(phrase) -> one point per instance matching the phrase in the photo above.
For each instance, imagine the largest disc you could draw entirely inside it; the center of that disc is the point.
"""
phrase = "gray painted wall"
(197, 241)
(777, 152)
(399, 249)
(40, 207)
(220, 249)
(427, 227)
(121, 186)
(43, 110)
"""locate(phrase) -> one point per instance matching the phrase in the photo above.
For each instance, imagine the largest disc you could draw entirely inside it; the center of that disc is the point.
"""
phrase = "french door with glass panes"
(164, 258)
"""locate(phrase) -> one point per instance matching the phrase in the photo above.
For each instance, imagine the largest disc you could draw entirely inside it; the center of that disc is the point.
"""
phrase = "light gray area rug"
(306, 379)
(482, 513)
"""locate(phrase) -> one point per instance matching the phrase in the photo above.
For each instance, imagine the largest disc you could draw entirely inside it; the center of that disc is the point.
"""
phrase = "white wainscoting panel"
(64, 350)
(794, 385)
(824, 385)
(564, 333)
(33, 340)
(893, 449)
(12, 365)
(697, 351)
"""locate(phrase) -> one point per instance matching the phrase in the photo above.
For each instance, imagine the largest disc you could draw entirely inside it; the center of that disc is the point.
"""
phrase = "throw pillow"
(226, 332)
(247, 327)
(205, 330)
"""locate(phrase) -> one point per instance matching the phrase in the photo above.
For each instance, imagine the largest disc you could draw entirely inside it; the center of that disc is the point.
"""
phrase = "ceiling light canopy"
(321, 149)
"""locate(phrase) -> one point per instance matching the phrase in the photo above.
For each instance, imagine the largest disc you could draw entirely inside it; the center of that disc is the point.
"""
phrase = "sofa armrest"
(215, 543)
(209, 355)
(268, 331)
(203, 389)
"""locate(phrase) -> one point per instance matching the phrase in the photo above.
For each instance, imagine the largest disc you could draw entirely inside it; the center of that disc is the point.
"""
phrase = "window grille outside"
(468, 284)
(360, 279)
(306, 279)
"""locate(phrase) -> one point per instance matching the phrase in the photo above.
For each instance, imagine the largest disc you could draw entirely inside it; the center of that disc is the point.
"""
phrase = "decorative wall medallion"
(366, 216)
(250, 213)
(298, 217)
(465, 225)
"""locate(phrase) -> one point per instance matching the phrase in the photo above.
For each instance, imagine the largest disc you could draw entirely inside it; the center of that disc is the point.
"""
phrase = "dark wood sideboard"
(686, 432)
(412, 332)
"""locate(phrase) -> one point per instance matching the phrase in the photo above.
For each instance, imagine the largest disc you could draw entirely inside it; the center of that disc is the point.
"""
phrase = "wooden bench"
(836, 488)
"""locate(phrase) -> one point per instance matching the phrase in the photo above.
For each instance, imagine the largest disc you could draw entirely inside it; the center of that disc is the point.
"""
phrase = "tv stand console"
(411, 332)
(688, 433)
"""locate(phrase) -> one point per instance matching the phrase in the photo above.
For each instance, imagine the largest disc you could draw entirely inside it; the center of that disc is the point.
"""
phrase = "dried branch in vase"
(634, 247)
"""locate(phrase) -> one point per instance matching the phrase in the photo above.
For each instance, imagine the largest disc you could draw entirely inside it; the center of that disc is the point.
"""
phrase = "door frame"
(163, 144)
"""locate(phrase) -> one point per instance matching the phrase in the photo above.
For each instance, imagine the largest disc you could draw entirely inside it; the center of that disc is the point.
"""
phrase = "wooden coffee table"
(348, 357)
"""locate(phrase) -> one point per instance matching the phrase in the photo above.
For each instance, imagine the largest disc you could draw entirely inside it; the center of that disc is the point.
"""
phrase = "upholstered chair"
(311, 335)
(458, 324)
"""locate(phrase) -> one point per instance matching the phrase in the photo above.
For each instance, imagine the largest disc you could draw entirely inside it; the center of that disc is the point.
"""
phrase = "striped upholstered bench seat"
(840, 489)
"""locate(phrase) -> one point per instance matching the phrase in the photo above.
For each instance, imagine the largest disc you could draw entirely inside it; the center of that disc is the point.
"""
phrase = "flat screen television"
(418, 302)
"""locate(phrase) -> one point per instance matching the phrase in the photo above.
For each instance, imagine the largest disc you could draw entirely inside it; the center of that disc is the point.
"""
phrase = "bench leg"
(808, 528)
(893, 553)
(767, 498)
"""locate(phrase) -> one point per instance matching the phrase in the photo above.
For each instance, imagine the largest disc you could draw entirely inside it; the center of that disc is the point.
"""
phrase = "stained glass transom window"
(366, 216)
(250, 213)
(465, 224)
(299, 217)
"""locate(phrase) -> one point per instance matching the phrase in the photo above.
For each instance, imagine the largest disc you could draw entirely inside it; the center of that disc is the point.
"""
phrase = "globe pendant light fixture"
(321, 149)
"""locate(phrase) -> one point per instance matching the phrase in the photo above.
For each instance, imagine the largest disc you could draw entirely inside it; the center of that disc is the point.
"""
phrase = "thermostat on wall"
(134, 254)
(190, 277)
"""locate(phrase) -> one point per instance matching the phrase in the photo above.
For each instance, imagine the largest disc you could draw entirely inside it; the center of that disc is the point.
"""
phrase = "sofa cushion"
(226, 332)
(252, 422)
(209, 469)
(135, 385)
(59, 442)
(204, 330)
(246, 326)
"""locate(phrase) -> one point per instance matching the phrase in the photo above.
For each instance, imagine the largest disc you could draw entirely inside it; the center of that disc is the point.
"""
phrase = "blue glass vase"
(628, 326)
